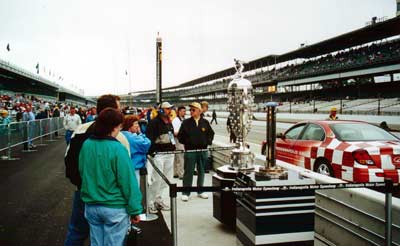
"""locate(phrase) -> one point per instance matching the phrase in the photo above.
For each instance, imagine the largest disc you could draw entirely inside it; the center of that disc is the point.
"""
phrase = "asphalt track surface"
(37, 199)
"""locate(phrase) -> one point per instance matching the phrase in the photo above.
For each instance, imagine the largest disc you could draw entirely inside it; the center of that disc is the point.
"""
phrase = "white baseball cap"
(166, 105)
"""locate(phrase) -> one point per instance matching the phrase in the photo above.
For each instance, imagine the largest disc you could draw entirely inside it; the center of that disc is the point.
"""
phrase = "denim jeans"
(78, 228)
(68, 135)
(108, 226)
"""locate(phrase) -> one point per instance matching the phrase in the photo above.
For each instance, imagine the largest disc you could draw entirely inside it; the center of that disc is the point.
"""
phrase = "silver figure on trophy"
(240, 105)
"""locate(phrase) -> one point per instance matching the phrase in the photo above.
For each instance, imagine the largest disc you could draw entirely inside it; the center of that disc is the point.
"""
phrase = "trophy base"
(265, 173)
(242, 160)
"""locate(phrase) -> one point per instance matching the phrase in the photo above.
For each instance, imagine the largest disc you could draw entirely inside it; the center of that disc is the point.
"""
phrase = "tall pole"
(129, 75)
(158, 69)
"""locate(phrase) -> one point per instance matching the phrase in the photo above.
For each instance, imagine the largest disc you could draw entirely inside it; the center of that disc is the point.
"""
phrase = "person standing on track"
(214, 117)
(71, 122)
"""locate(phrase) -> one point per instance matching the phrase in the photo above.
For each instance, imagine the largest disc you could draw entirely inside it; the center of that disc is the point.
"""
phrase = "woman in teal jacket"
(139, 143)
(109, 186)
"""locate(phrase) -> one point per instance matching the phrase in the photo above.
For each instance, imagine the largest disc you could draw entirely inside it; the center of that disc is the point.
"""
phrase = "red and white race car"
(350, 150)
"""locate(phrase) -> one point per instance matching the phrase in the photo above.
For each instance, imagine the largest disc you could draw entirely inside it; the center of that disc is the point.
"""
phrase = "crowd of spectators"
(355, 56)
(13, 107)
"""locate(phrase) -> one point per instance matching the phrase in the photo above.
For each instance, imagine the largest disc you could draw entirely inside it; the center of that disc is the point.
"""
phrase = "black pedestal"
(224, 202)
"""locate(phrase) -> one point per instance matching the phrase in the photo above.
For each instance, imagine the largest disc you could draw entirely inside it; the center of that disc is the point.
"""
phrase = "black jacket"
(159, 134)
(56, 113)
(195, 137)
(71, 158)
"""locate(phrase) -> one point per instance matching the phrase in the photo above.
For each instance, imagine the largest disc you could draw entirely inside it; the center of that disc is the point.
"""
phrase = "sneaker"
(162, 206)
(185, 198)
(203, 196)
(152, 209)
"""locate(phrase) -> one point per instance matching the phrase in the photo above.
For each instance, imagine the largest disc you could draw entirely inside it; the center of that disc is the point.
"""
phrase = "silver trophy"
(240, 104)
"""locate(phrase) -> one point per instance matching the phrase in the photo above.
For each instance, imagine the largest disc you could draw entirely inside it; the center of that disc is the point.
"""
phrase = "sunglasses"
(192, 110)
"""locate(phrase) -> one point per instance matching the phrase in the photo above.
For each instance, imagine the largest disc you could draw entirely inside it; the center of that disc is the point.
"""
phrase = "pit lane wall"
(392, 121)
(342, 216)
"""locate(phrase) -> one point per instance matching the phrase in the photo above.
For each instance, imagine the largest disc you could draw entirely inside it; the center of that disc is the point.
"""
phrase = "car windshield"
(361, 132)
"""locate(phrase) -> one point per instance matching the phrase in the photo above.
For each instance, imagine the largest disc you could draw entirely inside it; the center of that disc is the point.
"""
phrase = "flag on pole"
(37, 68)
(8, 47)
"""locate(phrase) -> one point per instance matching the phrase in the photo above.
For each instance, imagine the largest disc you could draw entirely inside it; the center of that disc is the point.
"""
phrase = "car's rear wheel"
(323, 167)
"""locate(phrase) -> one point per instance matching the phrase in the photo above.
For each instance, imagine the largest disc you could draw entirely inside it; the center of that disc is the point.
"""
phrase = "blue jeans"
(108, 226)
(68, 135)
(78, 229)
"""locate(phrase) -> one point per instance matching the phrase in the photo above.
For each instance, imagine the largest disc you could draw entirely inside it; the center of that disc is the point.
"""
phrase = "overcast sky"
(91, 43)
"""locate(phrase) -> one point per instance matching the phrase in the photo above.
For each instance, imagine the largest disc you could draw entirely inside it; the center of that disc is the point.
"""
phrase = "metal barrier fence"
(24, 132)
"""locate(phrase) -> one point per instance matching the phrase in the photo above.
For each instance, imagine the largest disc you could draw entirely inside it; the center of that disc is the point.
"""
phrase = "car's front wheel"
(323, 167)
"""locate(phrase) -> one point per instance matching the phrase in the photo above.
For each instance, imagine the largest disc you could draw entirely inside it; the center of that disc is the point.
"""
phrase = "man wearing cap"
(4, 121)
(161, 134)
(195, 134)
(4, 118)
(332, 115)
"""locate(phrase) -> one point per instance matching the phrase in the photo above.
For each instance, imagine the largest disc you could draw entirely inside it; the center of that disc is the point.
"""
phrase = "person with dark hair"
(214, 117)
(109, 186)
(384, 126)
(82, 114)
(138, 142)
(179, 161)
(106, 101)
(78, 228)
(71, 122)
(92, 115)
(161, 134)
(229, 128)
(56, 114)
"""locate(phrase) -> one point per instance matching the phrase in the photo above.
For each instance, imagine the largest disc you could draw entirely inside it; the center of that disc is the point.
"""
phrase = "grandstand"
(16, 80)
(338, 72)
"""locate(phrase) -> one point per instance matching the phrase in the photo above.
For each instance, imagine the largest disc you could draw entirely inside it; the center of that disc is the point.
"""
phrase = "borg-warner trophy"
(240, 104)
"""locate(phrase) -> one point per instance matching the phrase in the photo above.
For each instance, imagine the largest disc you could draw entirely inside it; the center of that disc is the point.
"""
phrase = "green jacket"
(108, 177)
